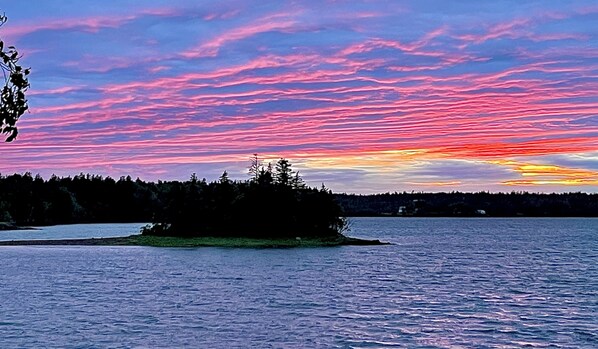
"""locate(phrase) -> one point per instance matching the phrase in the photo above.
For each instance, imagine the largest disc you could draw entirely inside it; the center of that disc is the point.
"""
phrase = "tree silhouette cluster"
(457, 204)
(28, 200)
(274, 203)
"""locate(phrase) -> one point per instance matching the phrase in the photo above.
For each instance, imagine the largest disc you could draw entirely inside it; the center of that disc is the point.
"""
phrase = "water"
(73, 231)
(446, 283)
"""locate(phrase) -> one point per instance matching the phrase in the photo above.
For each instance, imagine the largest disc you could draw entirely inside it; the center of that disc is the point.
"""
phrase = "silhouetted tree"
(297, 181)
(254, 167)
(13, 102)
(283, 174)
(265, 175)
(224, 178)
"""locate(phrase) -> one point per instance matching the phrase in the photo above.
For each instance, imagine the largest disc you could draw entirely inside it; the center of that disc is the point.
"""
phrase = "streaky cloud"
(388, 95)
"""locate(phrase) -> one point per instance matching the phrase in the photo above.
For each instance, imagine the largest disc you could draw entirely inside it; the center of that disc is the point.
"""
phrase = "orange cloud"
(548, 174)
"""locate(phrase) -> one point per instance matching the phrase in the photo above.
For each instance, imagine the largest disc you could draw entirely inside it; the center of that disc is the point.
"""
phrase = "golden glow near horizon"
(549, 174)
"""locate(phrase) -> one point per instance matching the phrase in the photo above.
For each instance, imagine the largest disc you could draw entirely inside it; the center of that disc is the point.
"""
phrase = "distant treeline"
(85, 198)
(456, 204)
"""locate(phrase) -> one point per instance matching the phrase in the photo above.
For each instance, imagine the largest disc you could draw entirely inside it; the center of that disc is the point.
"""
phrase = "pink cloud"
(86, 24)
(277, 22)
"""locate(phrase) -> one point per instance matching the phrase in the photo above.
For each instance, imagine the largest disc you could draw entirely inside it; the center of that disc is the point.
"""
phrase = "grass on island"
(167, 241)
(164, 241)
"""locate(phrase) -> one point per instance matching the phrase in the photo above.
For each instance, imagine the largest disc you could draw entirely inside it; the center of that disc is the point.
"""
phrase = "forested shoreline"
(480, 204)
(31, 200)
(273, 203)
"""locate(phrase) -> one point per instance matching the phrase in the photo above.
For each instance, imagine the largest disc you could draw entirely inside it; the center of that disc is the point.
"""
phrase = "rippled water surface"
(445, 283)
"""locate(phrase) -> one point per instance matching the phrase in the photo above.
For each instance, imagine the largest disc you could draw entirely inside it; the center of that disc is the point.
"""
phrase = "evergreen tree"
(283, 174)
(254, 167)
(224, 178)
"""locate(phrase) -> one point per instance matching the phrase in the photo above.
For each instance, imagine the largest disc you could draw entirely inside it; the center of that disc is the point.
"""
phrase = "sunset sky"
(365, 96)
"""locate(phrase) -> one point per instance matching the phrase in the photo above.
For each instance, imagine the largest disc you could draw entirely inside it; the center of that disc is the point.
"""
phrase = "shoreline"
(159, 241)
(9, 226)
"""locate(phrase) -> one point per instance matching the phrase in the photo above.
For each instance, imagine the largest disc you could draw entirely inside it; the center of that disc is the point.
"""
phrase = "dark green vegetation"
(274, 203)
(168, 241)
(455, 204)
(269, 202)
(27, 200)
(13, 103)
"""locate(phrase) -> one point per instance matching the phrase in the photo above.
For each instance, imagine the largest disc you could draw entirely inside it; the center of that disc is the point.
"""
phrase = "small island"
(274, 208)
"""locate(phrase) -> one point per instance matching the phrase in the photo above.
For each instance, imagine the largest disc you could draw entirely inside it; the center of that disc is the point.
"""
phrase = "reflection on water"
(459, 283)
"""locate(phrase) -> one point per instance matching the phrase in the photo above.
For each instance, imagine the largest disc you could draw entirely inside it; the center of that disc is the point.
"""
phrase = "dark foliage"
(261, 207)
(84, 198)
(13, 103)
(456, 204)
(270, 204)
